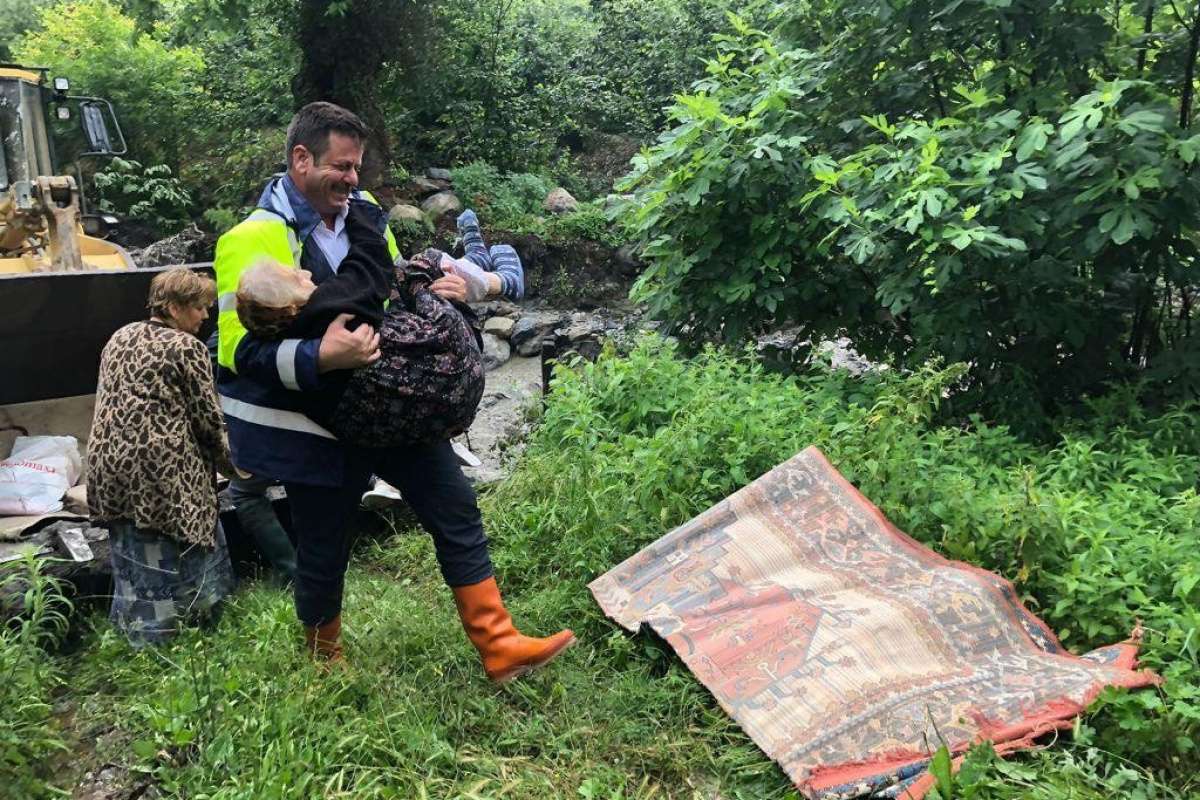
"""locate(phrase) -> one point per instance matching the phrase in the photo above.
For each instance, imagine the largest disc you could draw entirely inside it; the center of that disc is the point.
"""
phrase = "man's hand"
(480, 284)
(450, 287)
(342, 348)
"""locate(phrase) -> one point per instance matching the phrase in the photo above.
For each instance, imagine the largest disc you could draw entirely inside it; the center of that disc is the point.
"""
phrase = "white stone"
(441, 204)
(403, 212)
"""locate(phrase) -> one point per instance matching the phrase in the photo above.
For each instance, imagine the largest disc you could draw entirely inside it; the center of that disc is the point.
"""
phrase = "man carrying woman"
(301, 222)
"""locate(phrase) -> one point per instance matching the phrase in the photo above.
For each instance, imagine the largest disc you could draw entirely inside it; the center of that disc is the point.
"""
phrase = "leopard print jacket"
(157, 435)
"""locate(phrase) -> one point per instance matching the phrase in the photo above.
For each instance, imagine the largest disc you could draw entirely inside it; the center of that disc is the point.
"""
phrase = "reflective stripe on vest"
(272, 417)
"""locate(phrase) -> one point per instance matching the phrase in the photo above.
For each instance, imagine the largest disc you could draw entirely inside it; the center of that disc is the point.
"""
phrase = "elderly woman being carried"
(428, 381)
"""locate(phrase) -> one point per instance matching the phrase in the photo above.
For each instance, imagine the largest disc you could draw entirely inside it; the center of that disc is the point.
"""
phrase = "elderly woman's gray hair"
(180, 287)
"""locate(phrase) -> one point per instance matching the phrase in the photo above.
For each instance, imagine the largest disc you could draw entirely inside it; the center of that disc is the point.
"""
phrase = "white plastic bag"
(35, 477)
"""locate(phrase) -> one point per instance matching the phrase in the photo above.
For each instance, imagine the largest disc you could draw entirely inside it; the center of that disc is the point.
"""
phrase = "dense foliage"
(17, 17)
(28, 738)
(1009, 184)
(151, 194)
(521, 84)
(1096, 531)
(104, 52)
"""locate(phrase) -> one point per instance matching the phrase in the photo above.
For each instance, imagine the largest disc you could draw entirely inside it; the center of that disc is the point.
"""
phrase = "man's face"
(326, 183)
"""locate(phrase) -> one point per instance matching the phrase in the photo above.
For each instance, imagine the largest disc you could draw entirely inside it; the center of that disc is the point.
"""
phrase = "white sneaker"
(465, 456)
(381, 495)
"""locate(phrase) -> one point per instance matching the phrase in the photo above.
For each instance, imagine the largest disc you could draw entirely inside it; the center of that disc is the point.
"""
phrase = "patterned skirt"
(161, 583)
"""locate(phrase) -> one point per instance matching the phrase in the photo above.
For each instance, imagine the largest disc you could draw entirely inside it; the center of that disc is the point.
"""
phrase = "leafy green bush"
(20, 16)
(1037, 228)
(233, 174)
(647, 51)
(221, 218)
(514, 83)
(150, 194)
(152, 84)
(588, 221)
(505, 201)
(1096, 533)
(494, 80)
(412, 235)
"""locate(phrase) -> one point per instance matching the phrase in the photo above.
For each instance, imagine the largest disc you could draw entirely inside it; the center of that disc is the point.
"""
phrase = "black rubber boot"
(258, 519)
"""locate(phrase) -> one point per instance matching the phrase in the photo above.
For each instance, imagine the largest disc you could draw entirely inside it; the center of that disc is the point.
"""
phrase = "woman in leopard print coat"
(157, 439)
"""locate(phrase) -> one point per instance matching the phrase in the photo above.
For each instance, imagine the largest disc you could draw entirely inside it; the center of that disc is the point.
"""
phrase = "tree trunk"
(342, 59)
(1147, 29)
(1189, 73)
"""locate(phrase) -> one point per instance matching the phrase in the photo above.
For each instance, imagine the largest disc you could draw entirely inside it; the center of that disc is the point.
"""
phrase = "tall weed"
(28, 734)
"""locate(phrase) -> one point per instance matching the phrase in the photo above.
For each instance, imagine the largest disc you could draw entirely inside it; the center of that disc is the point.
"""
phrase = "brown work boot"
(324, 641)
(505, 652)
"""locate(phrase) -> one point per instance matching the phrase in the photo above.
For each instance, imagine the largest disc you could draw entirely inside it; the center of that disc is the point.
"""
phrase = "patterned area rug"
(846, 650)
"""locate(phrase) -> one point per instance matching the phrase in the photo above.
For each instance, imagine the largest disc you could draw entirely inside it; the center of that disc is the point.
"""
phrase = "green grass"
(239, 712)
(29, 677)
(1097, 531)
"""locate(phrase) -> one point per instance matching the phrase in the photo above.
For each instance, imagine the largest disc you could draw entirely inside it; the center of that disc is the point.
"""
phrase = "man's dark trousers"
(432, 483)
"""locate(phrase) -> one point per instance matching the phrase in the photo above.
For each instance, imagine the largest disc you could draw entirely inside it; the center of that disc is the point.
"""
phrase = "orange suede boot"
(505, 652)
(324, 641)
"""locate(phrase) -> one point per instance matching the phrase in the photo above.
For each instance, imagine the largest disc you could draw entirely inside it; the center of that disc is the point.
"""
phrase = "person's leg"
(507, 264)
(258, 518)
(475, 248)
(432, 483)
(319, 515)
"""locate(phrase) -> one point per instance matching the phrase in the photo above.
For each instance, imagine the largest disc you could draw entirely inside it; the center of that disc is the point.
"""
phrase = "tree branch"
(1179, 16)
(1189, 72)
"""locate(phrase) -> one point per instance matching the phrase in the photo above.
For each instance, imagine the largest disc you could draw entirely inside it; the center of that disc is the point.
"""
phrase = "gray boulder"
(581, 329)
(495, 352)
(496, 308)
(527, 334)
(501, 327)
(189, 246)
(440, 204)
(403, 212)
(423, 187)
(628, 259)
(560, 201)
(438, 174)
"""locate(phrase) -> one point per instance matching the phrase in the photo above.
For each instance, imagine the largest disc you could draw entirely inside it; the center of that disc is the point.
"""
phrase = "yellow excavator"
(64, 288)
(41, 219)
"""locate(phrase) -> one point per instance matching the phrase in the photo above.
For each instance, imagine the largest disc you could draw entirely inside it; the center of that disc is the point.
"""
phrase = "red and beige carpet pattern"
(846, 650)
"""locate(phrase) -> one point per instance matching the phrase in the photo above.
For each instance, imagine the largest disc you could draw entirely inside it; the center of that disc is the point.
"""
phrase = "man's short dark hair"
(312, 125)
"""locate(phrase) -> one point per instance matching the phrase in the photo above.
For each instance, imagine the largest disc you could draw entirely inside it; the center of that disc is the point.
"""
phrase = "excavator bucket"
(53, 326)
